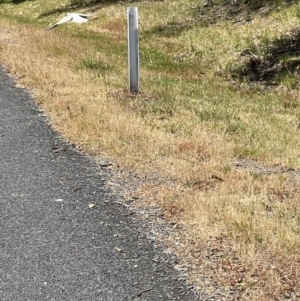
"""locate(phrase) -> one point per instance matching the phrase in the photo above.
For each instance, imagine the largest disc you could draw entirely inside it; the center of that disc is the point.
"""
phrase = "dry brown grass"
(221, 150)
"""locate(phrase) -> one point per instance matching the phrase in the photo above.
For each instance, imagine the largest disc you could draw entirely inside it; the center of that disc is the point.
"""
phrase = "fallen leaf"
(57, 149)
(217, 178)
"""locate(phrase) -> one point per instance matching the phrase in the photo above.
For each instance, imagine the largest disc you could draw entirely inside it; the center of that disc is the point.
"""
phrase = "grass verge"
(225, 149)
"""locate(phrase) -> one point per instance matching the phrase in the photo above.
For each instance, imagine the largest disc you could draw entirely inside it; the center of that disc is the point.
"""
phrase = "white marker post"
(133, 49)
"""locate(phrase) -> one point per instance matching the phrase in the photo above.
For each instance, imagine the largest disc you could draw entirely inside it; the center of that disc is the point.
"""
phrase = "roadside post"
(133, 49)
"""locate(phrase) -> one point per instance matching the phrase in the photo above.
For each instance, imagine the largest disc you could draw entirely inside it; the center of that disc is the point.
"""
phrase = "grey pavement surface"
(52, 245)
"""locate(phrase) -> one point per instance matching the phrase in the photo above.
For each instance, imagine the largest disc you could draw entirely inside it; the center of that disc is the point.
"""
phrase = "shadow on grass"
(170, 29)
(92, 4)
(241, 11)
(14, 1)
(203, 16)
(278, 64)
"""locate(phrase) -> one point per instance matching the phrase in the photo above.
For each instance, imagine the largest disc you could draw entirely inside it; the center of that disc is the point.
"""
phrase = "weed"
(93, 63)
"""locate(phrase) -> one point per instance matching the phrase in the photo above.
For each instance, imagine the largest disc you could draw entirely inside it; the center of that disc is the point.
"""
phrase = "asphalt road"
(53, 246)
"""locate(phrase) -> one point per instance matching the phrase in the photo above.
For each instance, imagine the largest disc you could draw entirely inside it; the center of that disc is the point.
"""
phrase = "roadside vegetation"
(214, 131)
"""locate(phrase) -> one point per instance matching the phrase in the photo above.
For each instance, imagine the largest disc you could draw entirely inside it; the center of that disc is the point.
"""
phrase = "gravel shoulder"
(62, 235)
